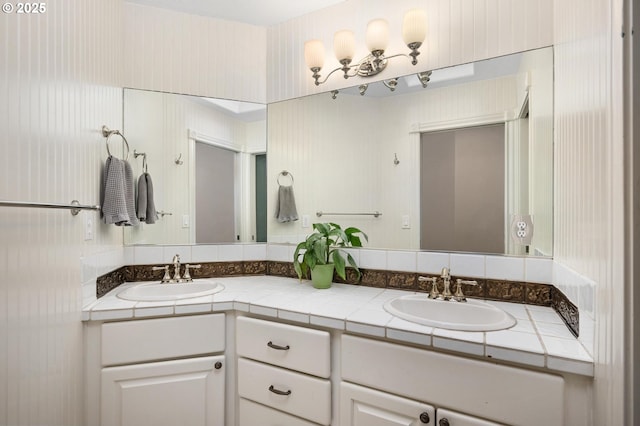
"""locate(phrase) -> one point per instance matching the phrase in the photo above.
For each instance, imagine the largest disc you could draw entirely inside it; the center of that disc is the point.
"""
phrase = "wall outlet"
(88, 225)
(185, 221)
(406, 223)
(522, 229)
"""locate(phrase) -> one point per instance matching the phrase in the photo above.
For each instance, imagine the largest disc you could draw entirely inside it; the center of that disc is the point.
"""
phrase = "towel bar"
(74, 206)
(374, 214)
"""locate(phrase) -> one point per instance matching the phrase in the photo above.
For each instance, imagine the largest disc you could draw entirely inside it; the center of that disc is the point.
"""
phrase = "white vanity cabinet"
(283, 374)
(385, 381)
(163, 371)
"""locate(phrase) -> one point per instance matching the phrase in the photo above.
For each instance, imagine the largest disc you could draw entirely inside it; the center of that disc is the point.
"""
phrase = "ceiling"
(256, 12)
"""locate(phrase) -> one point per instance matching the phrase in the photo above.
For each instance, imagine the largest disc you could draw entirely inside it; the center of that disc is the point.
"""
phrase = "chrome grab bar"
(74, 206)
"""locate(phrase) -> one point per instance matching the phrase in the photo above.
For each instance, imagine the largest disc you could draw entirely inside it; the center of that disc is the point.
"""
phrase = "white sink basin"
(472, 315)
(156, 292)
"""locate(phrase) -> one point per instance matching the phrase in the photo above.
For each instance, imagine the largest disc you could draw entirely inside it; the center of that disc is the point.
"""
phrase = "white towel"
(146, 207)
(117, 200)
(286, 206)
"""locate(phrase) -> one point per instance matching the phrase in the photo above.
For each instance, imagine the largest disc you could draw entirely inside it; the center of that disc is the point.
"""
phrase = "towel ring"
(108, 133)
(284, 173)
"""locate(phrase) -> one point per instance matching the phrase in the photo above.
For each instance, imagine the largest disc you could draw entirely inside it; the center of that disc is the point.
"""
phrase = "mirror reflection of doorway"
(215, 194)
(462, 171)
(261, 198)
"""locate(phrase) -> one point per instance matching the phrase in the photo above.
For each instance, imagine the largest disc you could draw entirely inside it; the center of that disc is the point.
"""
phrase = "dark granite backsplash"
(490, 289)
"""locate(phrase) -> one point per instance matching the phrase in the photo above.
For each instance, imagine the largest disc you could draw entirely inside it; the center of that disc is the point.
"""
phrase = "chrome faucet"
(446, 293)
(446, 279)
(176, 271)
(176, 268)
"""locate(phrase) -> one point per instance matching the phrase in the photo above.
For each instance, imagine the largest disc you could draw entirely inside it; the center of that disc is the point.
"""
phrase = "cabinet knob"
(218, 365)
(443, 422)
(424, 417)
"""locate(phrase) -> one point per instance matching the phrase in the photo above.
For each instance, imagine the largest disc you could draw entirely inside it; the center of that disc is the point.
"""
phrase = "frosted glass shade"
(344, 45)
(314, 54)
(377, 35)
(414, 26)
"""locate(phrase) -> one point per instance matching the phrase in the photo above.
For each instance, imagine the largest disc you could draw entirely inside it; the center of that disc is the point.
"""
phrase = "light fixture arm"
(367, 67)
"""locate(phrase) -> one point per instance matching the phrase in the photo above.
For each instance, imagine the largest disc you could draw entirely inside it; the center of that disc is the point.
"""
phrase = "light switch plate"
(88, 225)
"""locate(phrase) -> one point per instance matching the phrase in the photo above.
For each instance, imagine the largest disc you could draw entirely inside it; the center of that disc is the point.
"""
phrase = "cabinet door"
(360, 406)
(451, 418)
(187, 392)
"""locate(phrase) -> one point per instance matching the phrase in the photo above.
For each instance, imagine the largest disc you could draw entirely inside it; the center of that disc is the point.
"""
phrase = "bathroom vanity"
(273, 351)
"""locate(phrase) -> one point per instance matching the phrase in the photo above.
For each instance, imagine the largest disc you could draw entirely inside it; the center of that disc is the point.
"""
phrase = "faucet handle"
(459, 296)
(434, 293)
(187, 276)
(166, 278)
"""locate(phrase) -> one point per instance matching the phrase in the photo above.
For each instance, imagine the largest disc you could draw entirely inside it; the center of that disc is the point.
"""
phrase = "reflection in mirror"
(355, 152)
(201, 155)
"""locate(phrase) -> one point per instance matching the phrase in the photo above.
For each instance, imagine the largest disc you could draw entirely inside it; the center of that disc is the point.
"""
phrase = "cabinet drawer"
(295, 348)
(252, 414)
(304, 396)
(162, 338)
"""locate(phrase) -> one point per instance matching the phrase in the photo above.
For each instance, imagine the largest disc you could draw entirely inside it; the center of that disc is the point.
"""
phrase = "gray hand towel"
(146, 206)
(117, 193)
(286, 206)
(141, 205)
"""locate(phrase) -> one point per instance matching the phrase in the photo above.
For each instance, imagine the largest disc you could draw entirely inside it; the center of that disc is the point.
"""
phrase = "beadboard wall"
(588, 219)
(181, 53)
(60, 81)
(459, 31)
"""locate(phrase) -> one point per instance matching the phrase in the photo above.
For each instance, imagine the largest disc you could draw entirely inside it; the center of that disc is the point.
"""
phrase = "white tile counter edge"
(537, 341)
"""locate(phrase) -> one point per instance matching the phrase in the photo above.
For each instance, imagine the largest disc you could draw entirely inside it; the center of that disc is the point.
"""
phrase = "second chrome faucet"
(446, 294)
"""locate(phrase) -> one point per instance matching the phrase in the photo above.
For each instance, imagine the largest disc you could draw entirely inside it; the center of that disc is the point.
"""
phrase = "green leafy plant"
(324, 246)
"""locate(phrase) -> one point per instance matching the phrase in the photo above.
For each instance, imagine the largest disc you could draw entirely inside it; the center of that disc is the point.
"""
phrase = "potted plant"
(321, 252)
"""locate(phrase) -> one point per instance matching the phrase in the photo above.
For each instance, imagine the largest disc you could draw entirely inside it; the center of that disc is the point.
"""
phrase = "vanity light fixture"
(414, 30)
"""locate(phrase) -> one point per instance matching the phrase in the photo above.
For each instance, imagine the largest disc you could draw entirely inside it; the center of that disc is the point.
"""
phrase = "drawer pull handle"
(278, 347)
(279, 392)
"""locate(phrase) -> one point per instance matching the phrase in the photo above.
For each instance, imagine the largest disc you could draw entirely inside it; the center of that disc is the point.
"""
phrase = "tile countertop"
(539, 338)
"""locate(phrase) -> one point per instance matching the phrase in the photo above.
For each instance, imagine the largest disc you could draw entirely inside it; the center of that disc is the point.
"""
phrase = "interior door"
(215, 194)
(462, 179)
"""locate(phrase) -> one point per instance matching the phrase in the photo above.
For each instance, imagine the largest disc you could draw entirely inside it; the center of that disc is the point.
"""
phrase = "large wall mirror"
(412, 155)
(206, 160)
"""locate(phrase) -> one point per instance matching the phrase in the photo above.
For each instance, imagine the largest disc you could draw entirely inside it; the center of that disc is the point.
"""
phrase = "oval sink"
(156, 292)
(472, 315)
